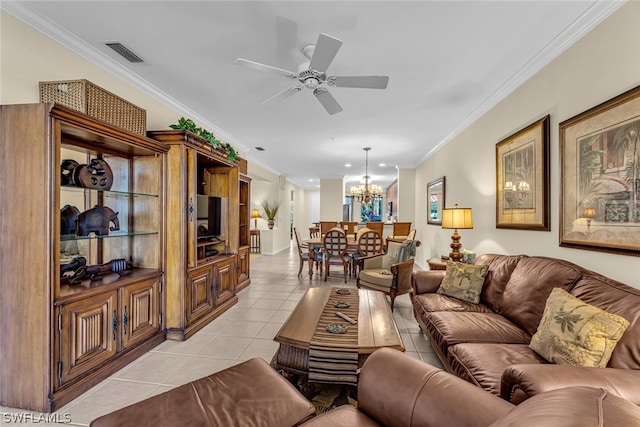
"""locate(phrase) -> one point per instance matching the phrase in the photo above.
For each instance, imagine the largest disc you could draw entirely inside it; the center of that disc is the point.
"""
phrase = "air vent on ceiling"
(259, 148)
(125, 52)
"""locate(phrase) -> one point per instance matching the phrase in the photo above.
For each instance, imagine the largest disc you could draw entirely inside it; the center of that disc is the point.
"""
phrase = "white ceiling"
(448, 62)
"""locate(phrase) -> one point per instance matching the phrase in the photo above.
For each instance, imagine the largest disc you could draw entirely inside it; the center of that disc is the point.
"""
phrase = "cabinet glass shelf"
(106, 193)
(112, 234)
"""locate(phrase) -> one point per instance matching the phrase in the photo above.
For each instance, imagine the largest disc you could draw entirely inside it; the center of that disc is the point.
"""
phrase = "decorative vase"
(271, 223)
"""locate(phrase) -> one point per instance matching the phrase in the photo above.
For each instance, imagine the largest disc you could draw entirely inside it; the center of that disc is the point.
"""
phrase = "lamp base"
(455, 254)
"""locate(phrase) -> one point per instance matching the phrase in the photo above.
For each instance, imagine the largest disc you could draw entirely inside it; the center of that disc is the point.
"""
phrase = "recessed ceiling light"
(348, 165)
(318, 186)
(382, 165)
(310, 180)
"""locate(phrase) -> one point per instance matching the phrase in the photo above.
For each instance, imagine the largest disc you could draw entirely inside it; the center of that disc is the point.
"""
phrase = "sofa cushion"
(623, 300)
(529, 287)
(572, 407)
(483, 363)
(500, 269)
(450, 328)
(438, 302)
(573, 332)
(463, 281)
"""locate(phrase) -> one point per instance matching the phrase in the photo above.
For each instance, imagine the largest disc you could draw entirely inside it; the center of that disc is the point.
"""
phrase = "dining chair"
(369, 243)
(335, 248)
(376, 226)
(325, 226)
(305, 253)
(389, 272)
(314, 232)
(410, 236)
(400, 230)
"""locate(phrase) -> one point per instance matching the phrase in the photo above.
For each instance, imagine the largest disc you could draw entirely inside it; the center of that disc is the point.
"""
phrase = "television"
(209, 215)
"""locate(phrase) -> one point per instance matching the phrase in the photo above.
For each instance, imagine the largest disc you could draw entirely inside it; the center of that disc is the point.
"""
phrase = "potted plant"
(270, 210)
(188, 124)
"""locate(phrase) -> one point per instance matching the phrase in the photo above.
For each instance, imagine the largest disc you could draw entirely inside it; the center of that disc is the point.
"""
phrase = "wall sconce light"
(456, 218)
(255, 214)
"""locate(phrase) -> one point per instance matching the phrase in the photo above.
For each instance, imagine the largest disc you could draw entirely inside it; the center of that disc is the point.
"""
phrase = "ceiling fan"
(312, 75)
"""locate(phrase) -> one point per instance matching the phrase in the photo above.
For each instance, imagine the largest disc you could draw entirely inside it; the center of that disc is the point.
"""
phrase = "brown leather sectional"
(397, 390)
(487, 344)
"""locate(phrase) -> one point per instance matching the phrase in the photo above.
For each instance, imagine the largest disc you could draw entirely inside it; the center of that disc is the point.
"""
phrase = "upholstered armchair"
(390, 272)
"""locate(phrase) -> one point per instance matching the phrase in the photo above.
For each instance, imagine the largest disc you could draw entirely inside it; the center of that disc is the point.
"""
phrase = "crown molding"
(593, 16)
(21, 11)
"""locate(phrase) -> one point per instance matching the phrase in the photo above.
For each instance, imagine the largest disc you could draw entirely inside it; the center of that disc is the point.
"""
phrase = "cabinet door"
(141, 308)
(199, 293)
(225, 279)
(243, 264)
(88, 334)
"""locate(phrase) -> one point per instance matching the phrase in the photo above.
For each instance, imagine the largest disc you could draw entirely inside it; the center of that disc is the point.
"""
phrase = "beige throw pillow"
(572, 332)
(463, 281)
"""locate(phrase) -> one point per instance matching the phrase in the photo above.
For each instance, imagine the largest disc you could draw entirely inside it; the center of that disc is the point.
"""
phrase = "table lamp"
(255, 214)
(456, 218)
(589, 213)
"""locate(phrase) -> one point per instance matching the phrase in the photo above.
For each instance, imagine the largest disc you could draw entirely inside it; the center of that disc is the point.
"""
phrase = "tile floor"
(243, 332)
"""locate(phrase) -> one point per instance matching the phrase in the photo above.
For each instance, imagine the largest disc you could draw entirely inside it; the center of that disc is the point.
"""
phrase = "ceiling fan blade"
(281, 96)
(324, 52)
(262, 67)
(365, 82)
(327, 100)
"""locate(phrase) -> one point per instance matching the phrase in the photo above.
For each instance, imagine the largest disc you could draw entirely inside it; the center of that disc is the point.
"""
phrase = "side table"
(437, 264)
(255, 240)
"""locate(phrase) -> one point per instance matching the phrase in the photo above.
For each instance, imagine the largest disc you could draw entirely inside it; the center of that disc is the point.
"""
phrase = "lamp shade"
(457, 218)
(255, 214)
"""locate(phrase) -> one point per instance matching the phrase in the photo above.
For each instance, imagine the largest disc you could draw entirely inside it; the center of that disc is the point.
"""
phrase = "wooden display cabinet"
(59, 338)
(244, 231)
(201, 274)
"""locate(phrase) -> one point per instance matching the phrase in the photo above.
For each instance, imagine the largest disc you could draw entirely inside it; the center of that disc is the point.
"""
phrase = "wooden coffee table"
(376, 328)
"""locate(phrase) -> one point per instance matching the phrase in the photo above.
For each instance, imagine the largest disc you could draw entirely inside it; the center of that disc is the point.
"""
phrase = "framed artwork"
(600, 180)
(522, 178)
(435, 200)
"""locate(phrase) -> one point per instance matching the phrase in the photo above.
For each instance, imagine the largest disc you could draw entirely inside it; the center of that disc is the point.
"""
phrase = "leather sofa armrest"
(396, 389)
(426, 281)
(520, 382)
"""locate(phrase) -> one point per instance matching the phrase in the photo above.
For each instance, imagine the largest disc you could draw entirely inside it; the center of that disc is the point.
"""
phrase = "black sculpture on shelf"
(97, 220)
(92, 272)
(96, 175)
(66, 171)
(68, 218)
(72, 266)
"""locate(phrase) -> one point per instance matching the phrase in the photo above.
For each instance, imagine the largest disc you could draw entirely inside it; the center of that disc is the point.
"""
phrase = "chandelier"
(365, 193)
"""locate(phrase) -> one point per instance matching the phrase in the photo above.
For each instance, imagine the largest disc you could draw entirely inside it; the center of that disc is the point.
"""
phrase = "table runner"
(333, 358)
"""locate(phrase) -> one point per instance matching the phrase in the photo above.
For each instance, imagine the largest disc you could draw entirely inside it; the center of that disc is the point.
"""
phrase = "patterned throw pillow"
(572, 332)
(463, 281)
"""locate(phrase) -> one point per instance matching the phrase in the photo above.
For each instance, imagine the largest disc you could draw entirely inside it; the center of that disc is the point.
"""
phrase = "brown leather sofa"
(487, 344)
(397, 390)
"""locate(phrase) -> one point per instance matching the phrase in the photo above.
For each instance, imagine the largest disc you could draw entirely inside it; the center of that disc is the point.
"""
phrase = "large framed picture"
(600, 181)
(522, 178)
(435, 200)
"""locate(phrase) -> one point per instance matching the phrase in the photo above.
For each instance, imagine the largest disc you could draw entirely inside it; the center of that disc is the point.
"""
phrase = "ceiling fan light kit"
(312, 75)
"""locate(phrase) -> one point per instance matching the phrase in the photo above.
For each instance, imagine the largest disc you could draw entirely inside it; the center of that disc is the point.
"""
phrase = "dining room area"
(345, 251)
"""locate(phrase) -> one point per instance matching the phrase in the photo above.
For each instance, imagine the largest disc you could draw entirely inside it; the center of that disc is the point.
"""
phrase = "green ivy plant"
(190, 125)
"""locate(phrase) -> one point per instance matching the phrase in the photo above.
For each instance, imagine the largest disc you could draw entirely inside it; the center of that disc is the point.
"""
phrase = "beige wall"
(603, 64)
(31, 57)
(331, 199)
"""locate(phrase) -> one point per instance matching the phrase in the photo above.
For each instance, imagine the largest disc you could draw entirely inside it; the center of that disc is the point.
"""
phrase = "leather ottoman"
(248, 394)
